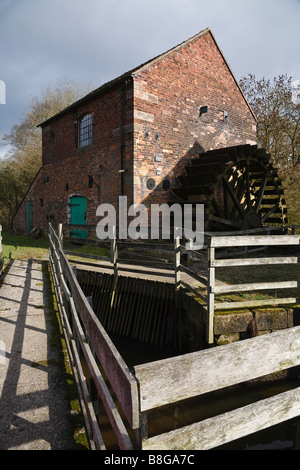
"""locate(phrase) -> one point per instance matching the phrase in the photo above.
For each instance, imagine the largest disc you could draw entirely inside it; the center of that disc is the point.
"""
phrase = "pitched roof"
(125, 76)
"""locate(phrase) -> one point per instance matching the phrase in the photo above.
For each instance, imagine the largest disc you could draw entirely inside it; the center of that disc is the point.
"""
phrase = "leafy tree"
(278, 130)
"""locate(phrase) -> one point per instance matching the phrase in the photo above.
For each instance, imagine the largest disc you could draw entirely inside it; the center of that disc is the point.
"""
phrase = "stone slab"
(34, 407)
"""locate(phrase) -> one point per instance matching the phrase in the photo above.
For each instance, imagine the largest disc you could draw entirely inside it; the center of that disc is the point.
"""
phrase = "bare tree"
(20, 167)
(278, 130)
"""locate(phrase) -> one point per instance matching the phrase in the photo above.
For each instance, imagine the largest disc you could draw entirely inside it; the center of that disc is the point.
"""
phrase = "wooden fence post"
(210, 293)
(114, 252)
(60, 233)
(91, 383)
(1, 254)
(177, 260)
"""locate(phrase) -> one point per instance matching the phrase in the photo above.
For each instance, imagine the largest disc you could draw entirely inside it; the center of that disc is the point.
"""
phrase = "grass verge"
(20, 247)
(80, 441)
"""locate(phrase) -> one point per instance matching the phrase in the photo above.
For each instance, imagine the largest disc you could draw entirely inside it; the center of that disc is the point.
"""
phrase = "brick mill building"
(134, 134)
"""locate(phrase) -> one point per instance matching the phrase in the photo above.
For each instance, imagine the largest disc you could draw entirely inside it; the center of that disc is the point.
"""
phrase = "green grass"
(76, 419)
(25, 247)
(86, 249)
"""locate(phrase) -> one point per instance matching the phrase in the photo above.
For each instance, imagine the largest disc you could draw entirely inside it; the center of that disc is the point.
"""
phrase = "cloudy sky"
(42, 41)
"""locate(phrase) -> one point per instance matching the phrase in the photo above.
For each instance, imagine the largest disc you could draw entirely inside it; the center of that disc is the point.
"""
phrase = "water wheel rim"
(247, 194)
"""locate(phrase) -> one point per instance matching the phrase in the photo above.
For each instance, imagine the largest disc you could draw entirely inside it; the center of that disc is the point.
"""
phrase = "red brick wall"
(66, 167)
(162, 130)
(168, 95)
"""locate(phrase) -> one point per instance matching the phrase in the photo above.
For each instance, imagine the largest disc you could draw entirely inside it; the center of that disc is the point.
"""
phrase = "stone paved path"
(34, 409)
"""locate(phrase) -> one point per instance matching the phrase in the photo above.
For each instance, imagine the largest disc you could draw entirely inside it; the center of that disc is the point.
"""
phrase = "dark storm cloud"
(97, 40)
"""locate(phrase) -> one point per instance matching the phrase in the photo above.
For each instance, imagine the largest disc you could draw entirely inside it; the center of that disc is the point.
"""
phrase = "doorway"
(78, 215)
(28, 216)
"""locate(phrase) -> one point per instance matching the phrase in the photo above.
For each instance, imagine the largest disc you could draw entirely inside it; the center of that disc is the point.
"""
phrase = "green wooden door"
(28, 216)
(78, 215)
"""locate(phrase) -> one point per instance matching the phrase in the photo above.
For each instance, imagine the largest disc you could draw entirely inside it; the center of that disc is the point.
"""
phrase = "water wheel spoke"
(234, 177)
(233, 197)
(261, 192)
(240, 194)
(270, 212)
(226, 201)
(247, 178)
(226, 222)
(241, 190)
(244, 189)
(217, 208)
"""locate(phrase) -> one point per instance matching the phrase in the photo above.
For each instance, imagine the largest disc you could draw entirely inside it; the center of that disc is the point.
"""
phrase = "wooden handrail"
(86, 333)
(190, 375)
(178, 378)
(221, 242)
(255, 240)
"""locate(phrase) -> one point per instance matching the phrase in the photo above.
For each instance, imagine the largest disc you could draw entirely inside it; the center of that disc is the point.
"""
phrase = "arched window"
(85, 130)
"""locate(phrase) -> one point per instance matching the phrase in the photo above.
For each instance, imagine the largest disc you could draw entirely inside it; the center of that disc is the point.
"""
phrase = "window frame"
(85, 131)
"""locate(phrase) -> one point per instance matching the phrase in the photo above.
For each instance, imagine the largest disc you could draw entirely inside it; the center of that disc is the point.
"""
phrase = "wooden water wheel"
(238, 186)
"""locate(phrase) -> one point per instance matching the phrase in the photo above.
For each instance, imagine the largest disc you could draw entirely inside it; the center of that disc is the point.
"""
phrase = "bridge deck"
(34, 406)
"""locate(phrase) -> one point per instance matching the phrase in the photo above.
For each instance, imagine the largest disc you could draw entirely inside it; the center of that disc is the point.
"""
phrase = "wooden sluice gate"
(143, 310)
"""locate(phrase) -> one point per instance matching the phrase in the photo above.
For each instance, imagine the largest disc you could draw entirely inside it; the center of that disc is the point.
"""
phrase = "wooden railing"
(168, 381)
(86, 337)
(179, 378)
(205, 286)
(1, 253)
(214, 261)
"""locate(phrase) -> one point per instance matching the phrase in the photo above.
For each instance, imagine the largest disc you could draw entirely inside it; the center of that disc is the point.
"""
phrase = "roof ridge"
(137, 69)
(125, 75)
(173, 49)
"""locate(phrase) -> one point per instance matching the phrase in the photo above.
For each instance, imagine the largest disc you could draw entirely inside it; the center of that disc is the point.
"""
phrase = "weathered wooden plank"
(255, 303)
(220, 263)
(92, 418)
(119, 376)
(93, 431)
(87, 256)
(111, 409)
(65, 287)
(177, 261)
(177, 378)
(58, 295)
(194, 291)
(210, 296)
(54, 238)
(194, 275)
(254, 286)
(258, 240)
(229, 426)
(254, 231)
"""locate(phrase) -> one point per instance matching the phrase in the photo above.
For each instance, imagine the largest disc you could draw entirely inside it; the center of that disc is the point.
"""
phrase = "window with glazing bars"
(85, 131)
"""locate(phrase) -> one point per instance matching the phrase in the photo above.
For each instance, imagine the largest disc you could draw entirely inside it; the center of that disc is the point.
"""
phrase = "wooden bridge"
(129, 395)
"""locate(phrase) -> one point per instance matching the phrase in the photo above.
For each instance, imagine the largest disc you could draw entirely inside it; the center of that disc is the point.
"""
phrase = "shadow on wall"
(162, 185)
